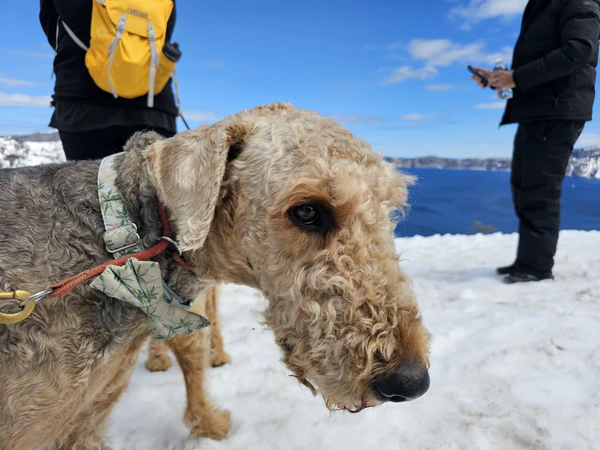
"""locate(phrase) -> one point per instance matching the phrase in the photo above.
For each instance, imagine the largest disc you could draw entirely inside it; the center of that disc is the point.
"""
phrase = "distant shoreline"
(583, 163)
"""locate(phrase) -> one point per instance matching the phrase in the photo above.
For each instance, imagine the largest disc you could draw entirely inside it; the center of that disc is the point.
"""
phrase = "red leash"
(68, 284)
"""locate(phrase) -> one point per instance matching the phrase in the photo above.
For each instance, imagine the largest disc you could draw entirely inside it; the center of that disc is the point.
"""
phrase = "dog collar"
(138, 283)
(121, 236)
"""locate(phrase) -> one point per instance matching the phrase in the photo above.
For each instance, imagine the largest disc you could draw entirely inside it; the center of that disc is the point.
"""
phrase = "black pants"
(97, 144)
(541, 155)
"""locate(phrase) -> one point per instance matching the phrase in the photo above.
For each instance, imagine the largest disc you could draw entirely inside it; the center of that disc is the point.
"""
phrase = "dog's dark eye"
(312, 217)
(307, 214)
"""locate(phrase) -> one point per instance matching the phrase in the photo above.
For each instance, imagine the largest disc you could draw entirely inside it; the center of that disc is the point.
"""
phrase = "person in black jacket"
(92, 123)
(553, 76)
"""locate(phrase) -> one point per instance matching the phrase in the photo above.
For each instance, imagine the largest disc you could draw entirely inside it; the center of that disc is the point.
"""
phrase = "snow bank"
(511, 366)
(17, 153)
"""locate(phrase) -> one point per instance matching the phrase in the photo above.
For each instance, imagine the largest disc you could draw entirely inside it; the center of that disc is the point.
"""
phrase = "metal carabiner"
(9, 319)
(36, 298)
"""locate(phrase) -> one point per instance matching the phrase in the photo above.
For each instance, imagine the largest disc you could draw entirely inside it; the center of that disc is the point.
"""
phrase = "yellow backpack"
(125, 55)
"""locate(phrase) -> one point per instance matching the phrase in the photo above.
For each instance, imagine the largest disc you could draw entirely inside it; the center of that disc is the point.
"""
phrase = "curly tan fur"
(193, 353)
(218, 355)
(158, 358)
(341, 308)
(200, 415)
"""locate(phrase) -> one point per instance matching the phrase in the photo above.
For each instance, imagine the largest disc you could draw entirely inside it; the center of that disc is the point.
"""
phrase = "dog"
(276, 198)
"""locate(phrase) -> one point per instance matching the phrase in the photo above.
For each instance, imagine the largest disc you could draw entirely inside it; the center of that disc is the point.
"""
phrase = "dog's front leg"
(218, 356)
(158, 356)
(201, 416)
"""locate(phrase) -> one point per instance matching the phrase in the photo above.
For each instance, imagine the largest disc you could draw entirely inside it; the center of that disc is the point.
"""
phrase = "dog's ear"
(188, 171)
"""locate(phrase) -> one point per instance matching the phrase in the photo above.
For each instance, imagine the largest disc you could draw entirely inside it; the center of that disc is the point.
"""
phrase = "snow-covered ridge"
(584, 163)
(30, 150)
(45, 147)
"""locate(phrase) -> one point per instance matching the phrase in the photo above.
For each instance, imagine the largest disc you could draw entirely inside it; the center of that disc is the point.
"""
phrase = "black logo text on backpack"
(136, 12)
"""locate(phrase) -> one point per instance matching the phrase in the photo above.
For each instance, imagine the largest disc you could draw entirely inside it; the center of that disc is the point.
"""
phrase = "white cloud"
(434, 53)
(213, 64)
(24, 54)
(495, 105)
(23, 100)
(407, 72)
(202, 116)
(477, 10)
(444, 52)
(438, 87)
(357, 119)
(588, 140)
(505, 55)
(370, 47)
(415, 117)
(11, 82)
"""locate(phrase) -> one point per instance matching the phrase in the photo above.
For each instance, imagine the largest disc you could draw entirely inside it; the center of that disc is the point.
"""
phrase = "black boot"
(524, 277)
(507, 269)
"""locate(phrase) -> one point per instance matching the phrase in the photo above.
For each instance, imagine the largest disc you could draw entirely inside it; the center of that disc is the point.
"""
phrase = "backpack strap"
(56, 37)
(179, 113)
(73, 36)
(113, 47)
(154, 63)
(176, 85)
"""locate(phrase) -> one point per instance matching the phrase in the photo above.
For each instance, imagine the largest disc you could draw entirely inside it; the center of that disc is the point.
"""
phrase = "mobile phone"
(478, 75)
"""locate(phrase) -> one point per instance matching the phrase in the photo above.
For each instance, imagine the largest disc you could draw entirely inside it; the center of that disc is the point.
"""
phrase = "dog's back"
(49, 224)
(51, 228)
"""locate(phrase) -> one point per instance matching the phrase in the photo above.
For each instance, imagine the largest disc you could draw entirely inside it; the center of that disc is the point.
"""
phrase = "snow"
(588, 167)
(29, 153)
(511, 366)
(585, 163)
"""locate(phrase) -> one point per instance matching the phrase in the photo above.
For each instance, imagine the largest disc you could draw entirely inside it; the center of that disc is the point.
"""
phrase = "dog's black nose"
(408, 382)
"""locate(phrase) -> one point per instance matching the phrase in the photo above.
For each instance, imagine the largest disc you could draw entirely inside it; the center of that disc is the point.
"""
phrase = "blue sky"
(393, 72)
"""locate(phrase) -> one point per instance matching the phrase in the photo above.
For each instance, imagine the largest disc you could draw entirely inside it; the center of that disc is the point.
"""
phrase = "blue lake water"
(451, 201)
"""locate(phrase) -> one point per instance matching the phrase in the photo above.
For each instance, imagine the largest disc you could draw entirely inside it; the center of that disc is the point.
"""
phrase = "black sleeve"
(171, 22)
(579, 27)
(48, 19)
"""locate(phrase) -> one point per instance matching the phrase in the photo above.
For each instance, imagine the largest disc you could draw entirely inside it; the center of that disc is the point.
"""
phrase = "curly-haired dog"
(276, 198)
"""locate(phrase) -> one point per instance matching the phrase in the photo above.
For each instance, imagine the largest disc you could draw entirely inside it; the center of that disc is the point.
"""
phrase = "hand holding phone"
(478, 75)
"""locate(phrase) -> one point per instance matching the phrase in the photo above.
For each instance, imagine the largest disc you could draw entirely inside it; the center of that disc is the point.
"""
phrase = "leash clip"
(36, 298)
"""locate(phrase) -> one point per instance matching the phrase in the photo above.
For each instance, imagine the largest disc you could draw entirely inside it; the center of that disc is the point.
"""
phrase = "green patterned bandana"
(139, 283)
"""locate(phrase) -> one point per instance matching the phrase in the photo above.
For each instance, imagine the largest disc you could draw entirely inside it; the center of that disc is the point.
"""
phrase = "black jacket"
(554, 61)
(73, 82)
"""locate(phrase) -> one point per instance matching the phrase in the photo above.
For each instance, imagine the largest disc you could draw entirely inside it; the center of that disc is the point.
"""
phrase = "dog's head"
(291, 203)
